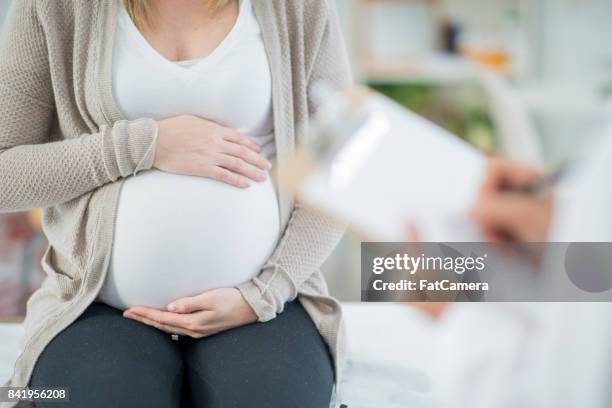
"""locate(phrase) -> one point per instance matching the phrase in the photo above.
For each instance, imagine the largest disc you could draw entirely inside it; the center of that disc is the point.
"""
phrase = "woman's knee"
(107, 360)
(280, 363)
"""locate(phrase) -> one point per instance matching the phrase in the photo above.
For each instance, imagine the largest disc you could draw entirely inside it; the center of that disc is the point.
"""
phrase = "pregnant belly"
(178, 236)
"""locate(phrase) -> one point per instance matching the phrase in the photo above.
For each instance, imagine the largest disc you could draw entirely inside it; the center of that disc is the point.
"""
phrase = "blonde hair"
(139, 10)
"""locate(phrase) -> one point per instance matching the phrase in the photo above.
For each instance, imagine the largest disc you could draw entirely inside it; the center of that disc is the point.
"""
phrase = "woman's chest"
(232, 85)
(236, 93)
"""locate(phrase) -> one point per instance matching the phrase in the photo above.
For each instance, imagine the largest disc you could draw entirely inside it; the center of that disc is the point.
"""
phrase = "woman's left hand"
(199, 316)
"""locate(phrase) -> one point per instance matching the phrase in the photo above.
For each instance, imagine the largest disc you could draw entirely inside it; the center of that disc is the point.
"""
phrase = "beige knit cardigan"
(64, 147)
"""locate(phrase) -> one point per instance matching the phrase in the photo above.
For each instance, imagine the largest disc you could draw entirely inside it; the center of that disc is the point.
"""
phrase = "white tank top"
(179, 236)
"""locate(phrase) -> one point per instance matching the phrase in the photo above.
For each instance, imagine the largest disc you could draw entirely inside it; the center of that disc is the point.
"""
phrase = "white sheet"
(390, 350)
(10, 333)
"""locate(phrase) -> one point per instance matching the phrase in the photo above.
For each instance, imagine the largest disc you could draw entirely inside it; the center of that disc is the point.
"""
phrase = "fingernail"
(171, 307)
(268, 165)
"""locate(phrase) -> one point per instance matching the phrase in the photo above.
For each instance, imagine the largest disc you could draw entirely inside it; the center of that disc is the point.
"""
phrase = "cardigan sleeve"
(35, 171)
(309, 237)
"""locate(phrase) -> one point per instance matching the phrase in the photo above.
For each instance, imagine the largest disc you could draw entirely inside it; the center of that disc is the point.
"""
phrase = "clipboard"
(380, 167)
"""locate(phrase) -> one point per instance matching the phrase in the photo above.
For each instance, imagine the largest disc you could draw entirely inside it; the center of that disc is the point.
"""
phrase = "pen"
(542, 184)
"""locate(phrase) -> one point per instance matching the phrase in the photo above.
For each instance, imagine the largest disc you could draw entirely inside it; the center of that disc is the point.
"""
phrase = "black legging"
(109, 361)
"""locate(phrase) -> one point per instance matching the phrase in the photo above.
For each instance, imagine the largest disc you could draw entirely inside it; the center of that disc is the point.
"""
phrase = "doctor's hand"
(506, 216)
(199, 316)
(192, 146)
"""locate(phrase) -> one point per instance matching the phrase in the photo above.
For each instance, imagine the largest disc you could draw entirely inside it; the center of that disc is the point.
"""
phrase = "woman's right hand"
(192, 146)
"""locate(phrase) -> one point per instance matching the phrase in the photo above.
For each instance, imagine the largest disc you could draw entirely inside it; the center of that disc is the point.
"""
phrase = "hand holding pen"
(515, 203)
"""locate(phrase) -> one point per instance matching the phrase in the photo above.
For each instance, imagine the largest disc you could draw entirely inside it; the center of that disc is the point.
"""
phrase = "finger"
(504, 216)
(503, 173)
(173, 319)
(497, 237)
(495, 211)
(519, 176)
(414, 234)
(246, 154)
(240, 166)
(153, 323)
(188, 305)
(237, 137)
(228, 177)
(166, 328)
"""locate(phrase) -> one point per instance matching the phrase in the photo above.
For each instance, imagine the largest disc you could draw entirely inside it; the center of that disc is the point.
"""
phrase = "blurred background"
(522, 77)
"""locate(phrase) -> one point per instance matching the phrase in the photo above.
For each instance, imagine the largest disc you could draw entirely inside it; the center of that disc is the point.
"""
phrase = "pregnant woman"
(178, 273)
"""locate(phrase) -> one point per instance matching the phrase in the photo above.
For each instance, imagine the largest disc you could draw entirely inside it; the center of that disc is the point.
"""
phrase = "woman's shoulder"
(62, 19)
(305, 20)
(308, 10)
(64, 12)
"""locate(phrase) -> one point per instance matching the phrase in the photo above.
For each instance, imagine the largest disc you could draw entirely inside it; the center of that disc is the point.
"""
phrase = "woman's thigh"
(109, 361)
(281, 363)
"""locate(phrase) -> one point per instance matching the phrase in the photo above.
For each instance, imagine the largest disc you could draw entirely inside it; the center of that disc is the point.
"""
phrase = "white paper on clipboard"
(400, 168)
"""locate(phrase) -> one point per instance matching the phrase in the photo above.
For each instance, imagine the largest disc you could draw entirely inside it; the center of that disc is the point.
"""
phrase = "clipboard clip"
(343, 135)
